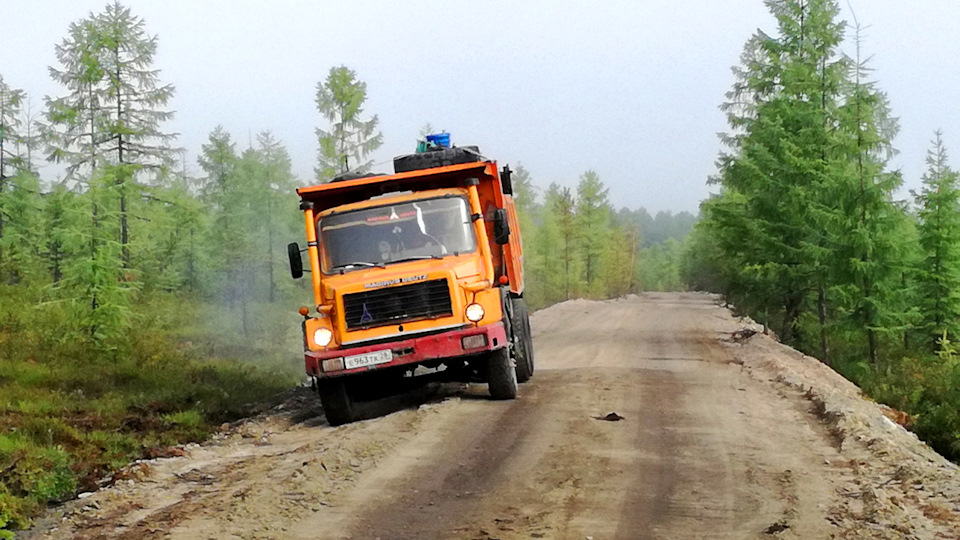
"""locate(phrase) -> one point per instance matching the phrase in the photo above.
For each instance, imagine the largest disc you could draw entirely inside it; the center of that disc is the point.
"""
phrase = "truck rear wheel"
(337, 403)
(522, 340)
(501, 375)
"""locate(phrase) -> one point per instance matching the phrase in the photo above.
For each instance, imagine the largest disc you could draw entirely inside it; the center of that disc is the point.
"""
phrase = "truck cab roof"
(329, 195)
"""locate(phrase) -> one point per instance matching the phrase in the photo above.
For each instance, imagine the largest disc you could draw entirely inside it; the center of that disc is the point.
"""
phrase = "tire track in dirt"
(705, 449)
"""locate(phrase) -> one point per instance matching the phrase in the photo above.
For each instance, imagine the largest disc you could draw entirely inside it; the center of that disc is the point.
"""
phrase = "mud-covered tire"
(501, 375)
(528, 335)
(337, 404)
(522, 340)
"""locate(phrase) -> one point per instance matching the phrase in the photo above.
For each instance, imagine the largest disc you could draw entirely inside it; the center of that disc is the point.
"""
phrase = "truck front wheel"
(501, 375)
(337, 403)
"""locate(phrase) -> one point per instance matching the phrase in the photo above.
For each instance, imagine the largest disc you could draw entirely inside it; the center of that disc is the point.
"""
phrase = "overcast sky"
(629, 89)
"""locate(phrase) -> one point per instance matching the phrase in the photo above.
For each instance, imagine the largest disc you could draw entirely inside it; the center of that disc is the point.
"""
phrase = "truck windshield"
(424, 229)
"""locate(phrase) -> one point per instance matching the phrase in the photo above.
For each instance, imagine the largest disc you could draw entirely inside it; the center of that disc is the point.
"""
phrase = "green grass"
(72, 414)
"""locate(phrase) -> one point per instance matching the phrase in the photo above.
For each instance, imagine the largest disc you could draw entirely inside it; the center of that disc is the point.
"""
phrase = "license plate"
(367, 359)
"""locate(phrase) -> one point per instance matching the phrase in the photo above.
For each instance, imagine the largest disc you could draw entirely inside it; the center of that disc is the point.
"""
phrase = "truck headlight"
(474, 312)
(322, 336)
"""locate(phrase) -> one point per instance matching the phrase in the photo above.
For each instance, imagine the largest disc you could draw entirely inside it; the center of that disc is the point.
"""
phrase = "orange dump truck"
(415, 273)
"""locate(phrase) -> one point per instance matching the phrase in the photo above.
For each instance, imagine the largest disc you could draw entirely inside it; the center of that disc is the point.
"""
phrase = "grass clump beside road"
(73, 412)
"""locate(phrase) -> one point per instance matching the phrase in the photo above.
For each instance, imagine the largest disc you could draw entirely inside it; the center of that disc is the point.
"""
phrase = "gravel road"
(716, 439)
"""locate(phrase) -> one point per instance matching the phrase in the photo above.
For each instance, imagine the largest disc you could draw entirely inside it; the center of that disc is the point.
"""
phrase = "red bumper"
(413, 350)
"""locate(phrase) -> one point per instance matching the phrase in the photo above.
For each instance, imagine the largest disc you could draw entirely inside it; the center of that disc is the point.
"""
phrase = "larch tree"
(866, 229)
(115, 106)
(58, 227)
(780, 112)
(277, 185)
(135, 102)
(11, 162)
(73, 132)
(426, 129)
(938, 275)
(524, 192)
(351, 138)
(563, 209)
(593, 219)
(525, 199)
(620, 259)
(20, 205)
(218, 159)
(96, 275)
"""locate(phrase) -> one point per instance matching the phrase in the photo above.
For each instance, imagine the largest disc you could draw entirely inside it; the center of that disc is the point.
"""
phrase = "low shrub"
(927, 387)
(73, 413)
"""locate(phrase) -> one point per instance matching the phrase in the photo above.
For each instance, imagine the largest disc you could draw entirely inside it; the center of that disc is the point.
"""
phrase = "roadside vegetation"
(576, 245)
(140, 304)
(807, 236)
(145, 298)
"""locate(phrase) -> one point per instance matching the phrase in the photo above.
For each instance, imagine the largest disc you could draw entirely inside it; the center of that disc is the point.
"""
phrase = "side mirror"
(501, 226)
(506, 180)
(296, 263)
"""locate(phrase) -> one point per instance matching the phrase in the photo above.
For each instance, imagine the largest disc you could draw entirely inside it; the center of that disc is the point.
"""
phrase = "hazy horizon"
(631, 91)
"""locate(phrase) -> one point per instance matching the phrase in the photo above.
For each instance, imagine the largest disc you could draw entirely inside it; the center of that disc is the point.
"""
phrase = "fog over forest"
(630, 90)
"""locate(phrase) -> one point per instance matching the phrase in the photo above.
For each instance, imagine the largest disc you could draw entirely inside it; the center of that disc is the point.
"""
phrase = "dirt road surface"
(719, 438)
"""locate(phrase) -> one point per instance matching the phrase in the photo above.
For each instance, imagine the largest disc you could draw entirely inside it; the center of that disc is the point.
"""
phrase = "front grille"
(391, 305)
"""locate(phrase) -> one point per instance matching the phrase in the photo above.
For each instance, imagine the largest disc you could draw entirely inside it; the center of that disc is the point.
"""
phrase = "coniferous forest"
(141, 305)
(809, 233)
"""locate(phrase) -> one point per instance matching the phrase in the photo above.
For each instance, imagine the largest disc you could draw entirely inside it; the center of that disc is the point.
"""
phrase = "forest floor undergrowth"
(72, 414)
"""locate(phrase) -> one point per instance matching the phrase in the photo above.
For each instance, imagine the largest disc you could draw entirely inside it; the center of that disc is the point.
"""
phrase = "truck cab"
(418, 272)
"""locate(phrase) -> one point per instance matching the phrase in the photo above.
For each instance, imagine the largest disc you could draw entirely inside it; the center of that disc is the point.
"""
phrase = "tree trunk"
(95, 224)
(124, 247)
(3, 175)
(243, 300)
(191, 272)
(122, 180)
(791, 312)
(822, 313)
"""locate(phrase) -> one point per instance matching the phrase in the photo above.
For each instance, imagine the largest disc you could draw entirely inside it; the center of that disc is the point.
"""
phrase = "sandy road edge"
(904, 488)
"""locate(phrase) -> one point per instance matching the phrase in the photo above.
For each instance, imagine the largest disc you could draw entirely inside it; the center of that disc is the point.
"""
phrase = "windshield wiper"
(348, 266)
(417, 258)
